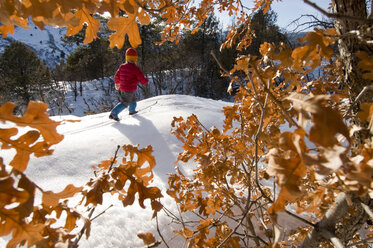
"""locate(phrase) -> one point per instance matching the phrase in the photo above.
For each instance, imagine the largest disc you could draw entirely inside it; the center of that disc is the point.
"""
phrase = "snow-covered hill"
(46, 43)
(96, 137)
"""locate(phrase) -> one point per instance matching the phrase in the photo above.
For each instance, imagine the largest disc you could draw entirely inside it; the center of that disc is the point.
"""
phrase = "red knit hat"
(131, 54)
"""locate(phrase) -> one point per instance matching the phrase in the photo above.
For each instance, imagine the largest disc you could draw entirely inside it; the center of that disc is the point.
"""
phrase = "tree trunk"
(353, 39)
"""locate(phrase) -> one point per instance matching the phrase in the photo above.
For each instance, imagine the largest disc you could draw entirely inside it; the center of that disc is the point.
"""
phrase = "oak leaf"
(6, 29)
(124, 26)
(366, 64)
(147, 238)
(9, 194)
(97, 187)
(51, 199)
(326, 121)
(316, 49)
(37, 118)
(366, 112)
(93, 25)
(144, 18)
(29, 233)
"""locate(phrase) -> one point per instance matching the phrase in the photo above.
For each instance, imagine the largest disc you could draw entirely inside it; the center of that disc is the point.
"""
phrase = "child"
(126, 79)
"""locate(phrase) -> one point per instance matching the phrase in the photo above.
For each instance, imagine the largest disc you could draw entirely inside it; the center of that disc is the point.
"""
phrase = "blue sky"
(287, 11)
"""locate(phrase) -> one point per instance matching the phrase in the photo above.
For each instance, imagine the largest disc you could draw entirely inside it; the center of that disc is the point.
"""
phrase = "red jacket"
(127, 77)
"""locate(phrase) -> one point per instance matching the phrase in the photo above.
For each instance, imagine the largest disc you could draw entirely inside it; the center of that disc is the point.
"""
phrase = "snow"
(46, 43)
(95, 138)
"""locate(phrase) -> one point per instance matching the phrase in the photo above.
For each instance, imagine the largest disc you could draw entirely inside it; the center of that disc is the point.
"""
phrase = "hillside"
(47, 43)
(95, 138)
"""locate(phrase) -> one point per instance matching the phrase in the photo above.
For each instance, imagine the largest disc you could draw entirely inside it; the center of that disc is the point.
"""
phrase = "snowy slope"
(46, 43)
(95, 138)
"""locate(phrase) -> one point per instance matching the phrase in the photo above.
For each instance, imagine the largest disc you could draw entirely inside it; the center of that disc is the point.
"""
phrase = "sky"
(287, 11)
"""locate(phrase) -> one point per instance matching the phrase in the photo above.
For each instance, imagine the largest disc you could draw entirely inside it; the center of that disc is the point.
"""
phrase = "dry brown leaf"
(51, 199)
(147, 238)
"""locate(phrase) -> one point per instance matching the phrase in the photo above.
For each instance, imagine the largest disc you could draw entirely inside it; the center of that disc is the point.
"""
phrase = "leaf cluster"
(35, 224)
(288, 145)
(311, 163)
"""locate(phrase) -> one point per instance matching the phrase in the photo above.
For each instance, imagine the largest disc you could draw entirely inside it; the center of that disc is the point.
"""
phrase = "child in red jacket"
(126, 79)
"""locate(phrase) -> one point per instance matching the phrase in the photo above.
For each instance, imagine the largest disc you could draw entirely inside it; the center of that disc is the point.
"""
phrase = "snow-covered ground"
(95, 138)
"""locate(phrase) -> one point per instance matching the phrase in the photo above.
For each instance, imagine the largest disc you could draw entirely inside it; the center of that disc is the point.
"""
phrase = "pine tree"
(24, 77)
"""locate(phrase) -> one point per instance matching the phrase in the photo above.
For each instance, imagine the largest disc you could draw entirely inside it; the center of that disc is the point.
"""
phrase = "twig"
(363, 91)
(262, 107)
(331, 216)
(234, 230)
(300, 218)
(159, 232)
(331, 236)
(273, 98)
(115, 158)
(363, 241)
(336, 16)
(102, 212)
(367, 209)
(76, 241)
(314, 22)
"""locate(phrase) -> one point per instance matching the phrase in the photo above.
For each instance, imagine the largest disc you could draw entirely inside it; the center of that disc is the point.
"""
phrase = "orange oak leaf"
(6, 29)
(94, 193)
(326, 121)
(366, 64)
(23, 149)
(9, 194)
(366, 112)
(124, 26)
(29, 233)
(37, 118)
(147, 238)
(143, 17)
(51, 199)
(93, 25)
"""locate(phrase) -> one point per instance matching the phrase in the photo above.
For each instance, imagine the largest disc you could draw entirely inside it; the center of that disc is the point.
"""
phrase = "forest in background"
(183, 68)
(321, 167)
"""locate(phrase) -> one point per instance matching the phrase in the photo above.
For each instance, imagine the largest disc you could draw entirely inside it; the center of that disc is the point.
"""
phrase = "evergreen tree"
(24, 77)
(94, 61)
(196, 48)
(266, 30)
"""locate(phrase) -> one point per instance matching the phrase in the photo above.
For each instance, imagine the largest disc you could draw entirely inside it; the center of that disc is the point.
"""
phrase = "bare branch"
(367, 209)
(102, 212)
(363, 91)
(159, 232)
(361, 242)
(331, 236)
(313, 22)
(235, 229)
(337, 16)
(324, 229)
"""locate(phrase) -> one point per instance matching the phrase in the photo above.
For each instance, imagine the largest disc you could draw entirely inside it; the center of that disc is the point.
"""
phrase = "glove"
(117, 86)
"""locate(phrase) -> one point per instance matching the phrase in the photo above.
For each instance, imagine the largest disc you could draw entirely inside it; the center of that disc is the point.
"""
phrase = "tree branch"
(159, 232)
(337, 16)
(363, 91)
(324, 229)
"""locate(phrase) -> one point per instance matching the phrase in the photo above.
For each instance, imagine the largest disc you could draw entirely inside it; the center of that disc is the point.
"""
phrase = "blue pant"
(120, 107)
(126, 99)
